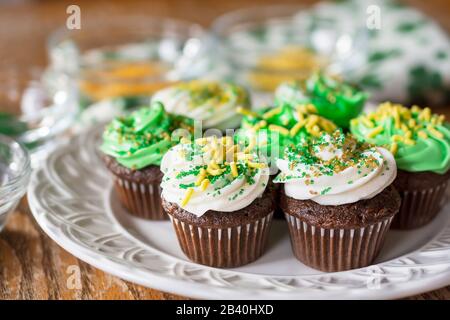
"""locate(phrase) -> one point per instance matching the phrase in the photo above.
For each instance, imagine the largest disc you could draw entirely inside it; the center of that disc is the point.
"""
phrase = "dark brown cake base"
(338, 238)
(224, 239)
(422, 197)
(138, 190)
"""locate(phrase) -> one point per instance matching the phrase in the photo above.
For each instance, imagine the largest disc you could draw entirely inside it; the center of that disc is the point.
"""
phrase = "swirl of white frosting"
(213, 103)
(368, 172)
(227, 193)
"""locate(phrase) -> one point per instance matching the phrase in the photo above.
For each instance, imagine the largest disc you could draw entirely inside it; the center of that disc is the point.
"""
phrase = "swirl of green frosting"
(419, 139)
(271, 130)
(333, 99)
(142, 138)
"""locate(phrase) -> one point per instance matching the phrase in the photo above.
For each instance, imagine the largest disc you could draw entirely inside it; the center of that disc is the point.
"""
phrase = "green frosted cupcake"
(271, 130)
(420, 142)
(133, 147)
(332, 99)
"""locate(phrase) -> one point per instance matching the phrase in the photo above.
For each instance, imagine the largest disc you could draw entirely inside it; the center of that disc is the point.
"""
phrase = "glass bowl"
(126, 59)
(31, 112)
(14, 175)
(266, 45)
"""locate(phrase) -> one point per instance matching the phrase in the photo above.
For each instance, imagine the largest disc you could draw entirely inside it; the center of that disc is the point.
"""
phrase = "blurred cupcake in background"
(213, 103)
(133, 147)
(420, 141)
(217, 198)
(332, 99)
(338, 200)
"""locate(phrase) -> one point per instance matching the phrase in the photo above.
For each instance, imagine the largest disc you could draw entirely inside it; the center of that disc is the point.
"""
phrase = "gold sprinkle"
(280, 129)
(234, 170)
(187, 197)
(296, 128)
(251, 145)
(394, 148)
(422, 134)
(375, 131)
(259, 125)
(214, 172)
(271, 113)
(409, 142)
(204, 185)
(434, 132)
(256, 165)
(247, 112)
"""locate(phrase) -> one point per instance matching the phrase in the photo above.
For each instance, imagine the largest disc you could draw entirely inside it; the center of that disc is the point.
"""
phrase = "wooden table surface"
(32, 266)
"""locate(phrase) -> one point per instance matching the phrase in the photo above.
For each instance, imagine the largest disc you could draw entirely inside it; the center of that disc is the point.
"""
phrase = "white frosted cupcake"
(213, 103)
(218, 200)
(338, 200)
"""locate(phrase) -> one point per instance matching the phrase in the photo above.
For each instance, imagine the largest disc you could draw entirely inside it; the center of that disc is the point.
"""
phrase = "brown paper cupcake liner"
(141, 200)
(223, 247)
(334, 250)
(419, 207)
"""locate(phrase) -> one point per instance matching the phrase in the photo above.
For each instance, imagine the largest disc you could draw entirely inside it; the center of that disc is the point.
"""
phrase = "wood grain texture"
(32, 266)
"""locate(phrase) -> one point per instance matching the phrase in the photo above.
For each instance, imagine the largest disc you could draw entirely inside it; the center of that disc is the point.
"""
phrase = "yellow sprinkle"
(412, 123)
(415, 109)
(251, 144)
(213, 165)
(409, 142)
(247, 112)
(404, 127)
(271, 113)
(300, 115)
(187, 197)
(367, 122)
(227, 140)
(408, 134)
(327, 125)
(311, 108)
(296, 128)
(441, 119)
(397, 138)
(204, 185)
(425, 115)
(354, 122)
(435, 132)
(244, 157)
(259, 125)
(394, 148)
(280, 129)
(312, 121)
(201, 176)
(396, 118)
(214, 172)
(234, 170)
(256, 165)
(375, 131)
(201, 141)
(422, 134)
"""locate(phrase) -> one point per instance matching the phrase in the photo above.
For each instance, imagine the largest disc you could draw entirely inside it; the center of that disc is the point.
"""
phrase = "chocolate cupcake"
(331, 98)
(420, 142)
(271, 130)
(217, 198)
(338, 200)
(133, 147)
(213, 103)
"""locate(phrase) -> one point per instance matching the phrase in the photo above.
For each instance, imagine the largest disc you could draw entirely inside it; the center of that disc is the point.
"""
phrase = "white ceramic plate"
(71, 197)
